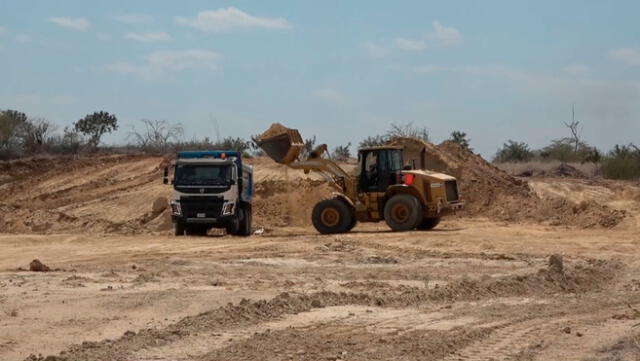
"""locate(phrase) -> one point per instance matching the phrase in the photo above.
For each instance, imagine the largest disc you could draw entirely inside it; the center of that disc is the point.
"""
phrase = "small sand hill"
(492, 193)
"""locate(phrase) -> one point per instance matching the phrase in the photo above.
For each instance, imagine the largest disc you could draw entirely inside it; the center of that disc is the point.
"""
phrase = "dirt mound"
(493, 193)
(124, 194)
(98, 193)
(37, 266)
(560, 171)
(281, 203)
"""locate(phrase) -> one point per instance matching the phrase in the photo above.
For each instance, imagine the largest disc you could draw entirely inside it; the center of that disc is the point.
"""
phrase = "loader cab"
(379, 168)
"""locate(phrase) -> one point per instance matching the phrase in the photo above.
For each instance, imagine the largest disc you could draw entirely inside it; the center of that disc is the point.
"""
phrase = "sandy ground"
(122, 288)
(472, 290)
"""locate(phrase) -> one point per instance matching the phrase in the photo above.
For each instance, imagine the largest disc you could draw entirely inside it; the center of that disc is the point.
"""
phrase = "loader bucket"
(280, 143)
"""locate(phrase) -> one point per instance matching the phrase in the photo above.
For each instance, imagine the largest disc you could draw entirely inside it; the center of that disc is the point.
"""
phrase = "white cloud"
(329, 95)
(23, 38)
(148, 36)
(576, 69)
(410, 44)
(440, 36)
(626, 55)
(3, 30)
(374, 50)
(71, 23)
(133, 18)
(230, 19)
(162, 62)
(444, 35)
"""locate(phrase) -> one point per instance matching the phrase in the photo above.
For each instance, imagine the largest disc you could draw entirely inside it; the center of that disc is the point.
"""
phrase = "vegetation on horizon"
(22, 136)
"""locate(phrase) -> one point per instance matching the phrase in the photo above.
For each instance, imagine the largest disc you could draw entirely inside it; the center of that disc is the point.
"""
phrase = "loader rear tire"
(429, 223)
(332, 216)
(403, 212)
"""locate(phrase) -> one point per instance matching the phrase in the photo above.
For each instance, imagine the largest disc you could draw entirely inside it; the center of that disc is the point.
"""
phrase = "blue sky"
(341, 70)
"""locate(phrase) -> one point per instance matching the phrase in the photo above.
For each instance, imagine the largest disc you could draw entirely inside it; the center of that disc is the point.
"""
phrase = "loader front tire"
(332, 216)
(403, 212)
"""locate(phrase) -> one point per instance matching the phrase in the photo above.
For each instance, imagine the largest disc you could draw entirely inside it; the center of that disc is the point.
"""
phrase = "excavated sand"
(490, 192)
(124, 194)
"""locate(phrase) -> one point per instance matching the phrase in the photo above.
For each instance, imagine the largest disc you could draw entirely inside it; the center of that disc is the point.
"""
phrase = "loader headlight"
(228, 208)
(176, 209)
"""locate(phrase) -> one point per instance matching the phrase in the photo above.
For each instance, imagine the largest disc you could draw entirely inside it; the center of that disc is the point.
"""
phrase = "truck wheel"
(403, 212)
(232, 228)
(429, 223)
(179, 229)
(245, 223)
(332, 216)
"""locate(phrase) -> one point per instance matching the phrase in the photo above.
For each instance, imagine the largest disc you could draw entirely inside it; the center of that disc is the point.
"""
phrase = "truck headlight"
(227, 208)
(176, 209)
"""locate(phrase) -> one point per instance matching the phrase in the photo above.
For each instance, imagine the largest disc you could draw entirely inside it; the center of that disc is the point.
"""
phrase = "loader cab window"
(378, 169)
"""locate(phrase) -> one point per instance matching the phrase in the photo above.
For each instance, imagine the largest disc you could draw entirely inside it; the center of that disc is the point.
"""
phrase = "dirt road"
(474, 290)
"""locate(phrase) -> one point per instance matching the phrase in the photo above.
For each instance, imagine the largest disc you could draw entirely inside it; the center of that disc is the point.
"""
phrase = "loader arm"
(337, 177)
(284, 146)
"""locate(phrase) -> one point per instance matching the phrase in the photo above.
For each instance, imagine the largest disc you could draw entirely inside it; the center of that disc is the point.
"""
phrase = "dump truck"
(212, 189)
(385, 186)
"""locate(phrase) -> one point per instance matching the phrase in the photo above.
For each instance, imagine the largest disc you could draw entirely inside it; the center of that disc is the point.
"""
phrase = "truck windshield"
(202, 175)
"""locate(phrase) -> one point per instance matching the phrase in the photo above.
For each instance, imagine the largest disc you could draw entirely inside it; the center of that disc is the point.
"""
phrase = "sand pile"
(282, 202)
(491, 192)
(124, 194)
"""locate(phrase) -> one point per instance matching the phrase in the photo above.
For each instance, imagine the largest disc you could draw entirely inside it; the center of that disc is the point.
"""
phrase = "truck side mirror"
(165, 177)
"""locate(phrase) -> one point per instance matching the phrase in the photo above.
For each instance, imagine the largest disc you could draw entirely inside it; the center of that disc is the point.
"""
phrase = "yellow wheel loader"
(386, 187)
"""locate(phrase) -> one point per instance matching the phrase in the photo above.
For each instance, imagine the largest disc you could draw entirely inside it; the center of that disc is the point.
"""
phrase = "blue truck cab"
(212, 189)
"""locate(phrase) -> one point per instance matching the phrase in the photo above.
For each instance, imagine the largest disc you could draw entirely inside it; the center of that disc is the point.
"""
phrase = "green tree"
(10, 123)
(460, 138)
(373, 141)
(230, 143)
(622, 162)
(341, 153)
(513, 151)
(96, 125)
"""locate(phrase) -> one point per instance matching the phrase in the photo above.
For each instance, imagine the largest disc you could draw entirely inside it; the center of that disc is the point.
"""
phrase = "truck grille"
(211, 207)
(451, 187)
(202, 190)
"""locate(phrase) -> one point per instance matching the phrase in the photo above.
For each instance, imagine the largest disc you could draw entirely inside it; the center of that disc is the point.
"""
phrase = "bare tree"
(34, 133)
(407, 130)
(573, 127)
(157, 135)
